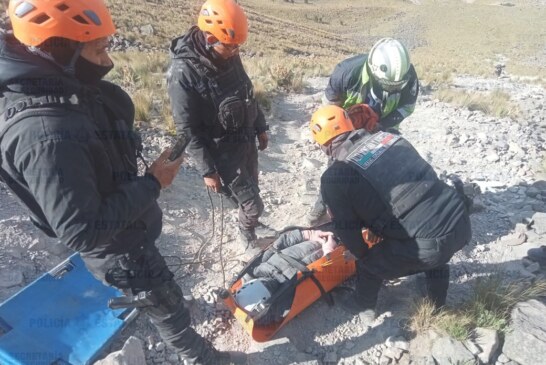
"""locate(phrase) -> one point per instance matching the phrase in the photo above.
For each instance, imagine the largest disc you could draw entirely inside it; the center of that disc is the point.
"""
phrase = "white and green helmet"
(389, 63)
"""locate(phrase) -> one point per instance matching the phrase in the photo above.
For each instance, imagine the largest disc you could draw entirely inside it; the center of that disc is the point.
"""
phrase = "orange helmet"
(35, 21)
(224, 19)
(328, 122)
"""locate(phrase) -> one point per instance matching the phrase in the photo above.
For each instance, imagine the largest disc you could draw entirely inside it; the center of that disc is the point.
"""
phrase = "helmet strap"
(70, 69)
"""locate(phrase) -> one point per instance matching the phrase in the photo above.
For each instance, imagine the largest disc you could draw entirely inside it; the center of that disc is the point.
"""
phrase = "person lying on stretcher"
(277, 268)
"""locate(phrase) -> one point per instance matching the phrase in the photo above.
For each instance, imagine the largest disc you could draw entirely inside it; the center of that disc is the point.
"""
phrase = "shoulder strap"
(26, 104)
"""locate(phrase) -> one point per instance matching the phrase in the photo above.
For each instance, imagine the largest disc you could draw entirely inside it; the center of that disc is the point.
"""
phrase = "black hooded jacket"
(196, 83)
(73, 164)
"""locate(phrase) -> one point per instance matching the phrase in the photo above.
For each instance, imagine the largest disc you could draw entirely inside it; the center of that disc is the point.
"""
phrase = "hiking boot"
(248, 237)
(352, 305)
(538, 255)
(317, 215)
(264, 231)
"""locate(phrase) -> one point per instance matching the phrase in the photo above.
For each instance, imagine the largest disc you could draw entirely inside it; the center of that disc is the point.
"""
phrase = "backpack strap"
(16, 109)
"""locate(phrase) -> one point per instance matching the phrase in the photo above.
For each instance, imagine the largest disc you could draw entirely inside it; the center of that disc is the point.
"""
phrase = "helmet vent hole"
(331, 118)
(80, 19)
(215, 13)
(383, 68)
(93, 16)
(23, 9)
(208, 21)
(62, 7)
(40, 19)
(225, 32)
(219, 22)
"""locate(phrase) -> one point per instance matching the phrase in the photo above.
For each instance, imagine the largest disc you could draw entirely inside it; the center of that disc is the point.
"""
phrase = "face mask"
(327, 149)
(89, 72)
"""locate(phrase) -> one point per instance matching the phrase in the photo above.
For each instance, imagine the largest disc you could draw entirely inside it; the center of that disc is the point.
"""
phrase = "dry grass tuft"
(496, 103)
(143, 101)
(489, 306)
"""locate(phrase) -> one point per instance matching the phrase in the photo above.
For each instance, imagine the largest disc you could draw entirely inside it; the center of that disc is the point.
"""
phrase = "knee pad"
(169, 298)
(244, 189)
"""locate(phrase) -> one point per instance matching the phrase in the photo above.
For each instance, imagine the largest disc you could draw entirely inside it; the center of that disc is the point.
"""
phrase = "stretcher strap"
(267, 304)
(304, 270)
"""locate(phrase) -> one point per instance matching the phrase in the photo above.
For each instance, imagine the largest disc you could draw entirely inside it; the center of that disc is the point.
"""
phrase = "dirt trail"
(498, 154)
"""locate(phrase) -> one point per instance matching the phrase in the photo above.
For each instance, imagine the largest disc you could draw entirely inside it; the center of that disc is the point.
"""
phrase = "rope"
(197, 259)
(222, 263)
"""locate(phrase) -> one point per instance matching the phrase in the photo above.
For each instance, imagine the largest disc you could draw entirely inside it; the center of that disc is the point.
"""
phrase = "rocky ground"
(501, 156)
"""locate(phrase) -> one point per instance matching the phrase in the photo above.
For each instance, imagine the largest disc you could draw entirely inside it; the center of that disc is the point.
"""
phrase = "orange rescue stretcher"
(322, 276)
(313, 282)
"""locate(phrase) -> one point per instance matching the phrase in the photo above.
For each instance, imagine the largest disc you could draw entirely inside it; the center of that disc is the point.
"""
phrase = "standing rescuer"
(68, 151)
(379, 182)
(213, 101)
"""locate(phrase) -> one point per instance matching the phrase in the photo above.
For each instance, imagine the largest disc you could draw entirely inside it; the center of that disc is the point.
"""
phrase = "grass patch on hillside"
(288, 74)
(496, 103)
(142, 75)
(489, 306)
(469, 38)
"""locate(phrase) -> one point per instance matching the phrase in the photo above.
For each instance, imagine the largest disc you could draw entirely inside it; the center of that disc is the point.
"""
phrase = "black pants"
(239, 171)
(392, 259)
(147, 271)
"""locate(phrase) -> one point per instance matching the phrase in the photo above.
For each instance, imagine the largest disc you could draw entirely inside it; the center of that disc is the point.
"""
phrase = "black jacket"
(348, 86)
(196, 80)
(356, 204)
(73, 165)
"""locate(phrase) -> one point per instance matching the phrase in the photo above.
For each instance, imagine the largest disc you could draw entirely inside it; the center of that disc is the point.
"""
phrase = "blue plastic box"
(61, 318)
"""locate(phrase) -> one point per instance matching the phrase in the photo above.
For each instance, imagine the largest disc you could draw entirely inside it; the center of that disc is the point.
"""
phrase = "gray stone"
(521, 228)
(488, 341)
(402, 345)
(493, 157)
(11, 277)
(385, 360)
(446, 350)
(132, 353)
(147, 30)
(472, 347)
(57, 249)
(423, 360)
(330, 357)
(37, 245)
(311, 164)
(528, 331)
(393, 352)
(539, 224)
(503, 359)
(533, 268)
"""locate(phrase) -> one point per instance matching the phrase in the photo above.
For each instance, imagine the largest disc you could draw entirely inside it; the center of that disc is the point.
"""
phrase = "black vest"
(401, 179)
(232, 95)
